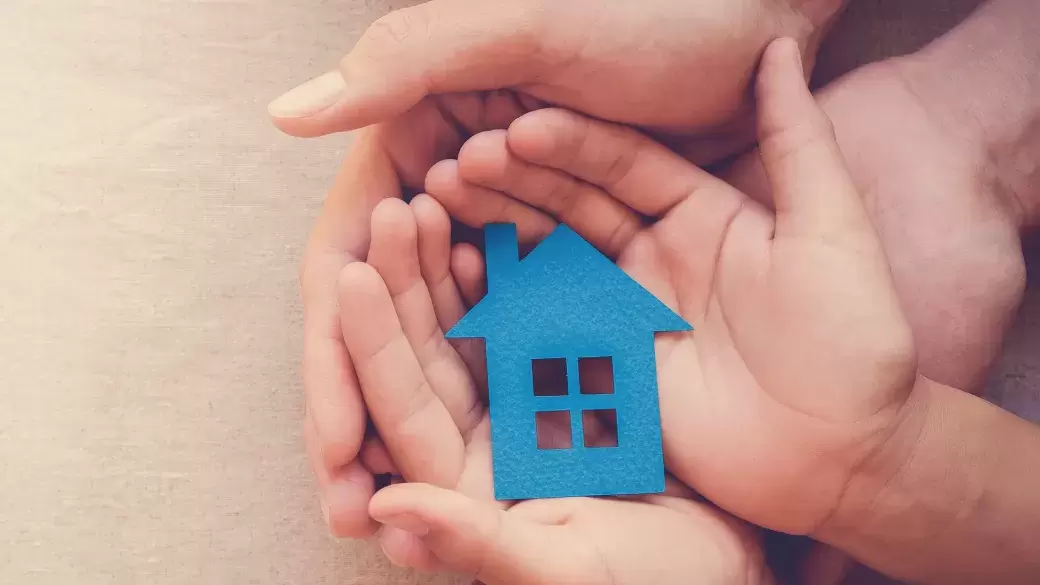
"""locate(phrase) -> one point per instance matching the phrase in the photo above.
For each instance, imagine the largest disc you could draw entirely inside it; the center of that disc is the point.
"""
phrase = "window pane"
(596, 375)
(600, 428)
(550, 377)
(553, 429)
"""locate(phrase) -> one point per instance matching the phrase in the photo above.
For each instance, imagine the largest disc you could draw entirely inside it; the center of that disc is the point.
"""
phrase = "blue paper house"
(568, 303)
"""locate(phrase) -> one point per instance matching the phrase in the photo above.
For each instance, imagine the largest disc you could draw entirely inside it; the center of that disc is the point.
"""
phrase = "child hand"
(801, 358)
(423, 396)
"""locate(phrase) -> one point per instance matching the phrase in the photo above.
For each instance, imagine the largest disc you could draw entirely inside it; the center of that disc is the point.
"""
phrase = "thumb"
(480, 538)
(812, 191)
(437, 47)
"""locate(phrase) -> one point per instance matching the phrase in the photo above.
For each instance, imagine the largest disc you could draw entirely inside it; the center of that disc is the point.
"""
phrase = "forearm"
(954, 496)
(982, 80)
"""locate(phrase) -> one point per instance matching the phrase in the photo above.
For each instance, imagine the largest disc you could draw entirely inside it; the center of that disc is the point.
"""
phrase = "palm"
(768, 356)
(800, 358)
(425, 399)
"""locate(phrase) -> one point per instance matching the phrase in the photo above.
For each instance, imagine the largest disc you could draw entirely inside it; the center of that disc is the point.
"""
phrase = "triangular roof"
(563, 282)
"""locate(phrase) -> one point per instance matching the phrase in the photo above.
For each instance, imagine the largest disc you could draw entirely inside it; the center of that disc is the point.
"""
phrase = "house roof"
(563, 284)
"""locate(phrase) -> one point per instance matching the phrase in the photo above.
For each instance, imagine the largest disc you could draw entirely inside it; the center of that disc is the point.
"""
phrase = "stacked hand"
(421, 72)
(800, 347)
(425, 401)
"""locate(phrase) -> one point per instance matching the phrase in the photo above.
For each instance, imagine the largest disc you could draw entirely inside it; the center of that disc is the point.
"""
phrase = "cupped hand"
(947, 224)
(412, 72)
(672, 66)
(385, 161)
(801, 359)
(425, 399)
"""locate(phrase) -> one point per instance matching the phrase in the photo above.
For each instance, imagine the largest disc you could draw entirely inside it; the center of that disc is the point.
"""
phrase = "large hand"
(669, 65)
(383, 161)
(801, 358)
(620, 67)
(435, 426)
(947, 224)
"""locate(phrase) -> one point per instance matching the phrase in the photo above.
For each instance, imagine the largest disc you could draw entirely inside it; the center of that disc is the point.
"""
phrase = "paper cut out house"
(566, 301)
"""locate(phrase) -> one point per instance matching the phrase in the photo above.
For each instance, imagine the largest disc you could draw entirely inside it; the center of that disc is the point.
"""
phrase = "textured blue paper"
(566, 300)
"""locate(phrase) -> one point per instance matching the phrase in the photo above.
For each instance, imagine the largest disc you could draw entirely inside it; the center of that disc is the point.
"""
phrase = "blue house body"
(566, 300)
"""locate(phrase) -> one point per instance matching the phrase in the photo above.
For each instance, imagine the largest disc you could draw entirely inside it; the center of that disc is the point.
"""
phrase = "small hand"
(425, 400)
(801, 358)
(947, 225)
(384, 161)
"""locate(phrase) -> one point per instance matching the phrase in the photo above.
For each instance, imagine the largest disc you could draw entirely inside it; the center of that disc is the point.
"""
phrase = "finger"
(418, 430)
(604, 221)
(632, 168)
(812, 190)
(376, 458)
(344, 496)
(394, 254)
(435, 259)
(481, 539)
(691, 238)
(437, 47)
(340, 236)
(405, 549)
(347, 497)
(477, 206)
(467, 266)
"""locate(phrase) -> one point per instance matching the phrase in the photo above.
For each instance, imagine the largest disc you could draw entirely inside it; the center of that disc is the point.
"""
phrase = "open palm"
(387, 160)
(424, 397)
(801, 357)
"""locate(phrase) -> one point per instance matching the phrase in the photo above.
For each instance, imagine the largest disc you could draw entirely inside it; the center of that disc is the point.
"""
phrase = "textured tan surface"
(150, 226)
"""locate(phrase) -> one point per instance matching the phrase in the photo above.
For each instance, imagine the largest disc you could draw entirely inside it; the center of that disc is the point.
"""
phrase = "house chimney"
(501, 251)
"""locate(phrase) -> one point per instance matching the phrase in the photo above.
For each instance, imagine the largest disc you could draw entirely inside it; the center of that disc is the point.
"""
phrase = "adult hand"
(801, 359)
(423, 395)
(614, 59)
(673, 66)
(948, 226)
(384, 160)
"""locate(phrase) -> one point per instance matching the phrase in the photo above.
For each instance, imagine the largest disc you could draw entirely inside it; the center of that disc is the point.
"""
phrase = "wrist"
(981, 85)
(953, 496)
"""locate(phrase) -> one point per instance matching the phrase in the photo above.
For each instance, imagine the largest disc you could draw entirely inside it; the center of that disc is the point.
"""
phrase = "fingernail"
(310, 98)
(407, 522)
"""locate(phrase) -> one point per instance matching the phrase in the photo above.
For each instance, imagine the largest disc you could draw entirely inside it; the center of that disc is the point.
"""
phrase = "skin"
(935, 481)
(744, 279)
(425, 401)
(504, 60)
(809, 409)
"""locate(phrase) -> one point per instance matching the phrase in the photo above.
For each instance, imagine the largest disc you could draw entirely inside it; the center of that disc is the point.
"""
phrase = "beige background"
(150, 225)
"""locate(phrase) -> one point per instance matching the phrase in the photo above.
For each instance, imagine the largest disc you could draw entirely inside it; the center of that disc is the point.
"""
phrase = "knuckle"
(397, 28)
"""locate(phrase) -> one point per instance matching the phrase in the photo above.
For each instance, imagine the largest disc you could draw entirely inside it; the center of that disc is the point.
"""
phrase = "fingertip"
(405, 549)
(467, 266)
(429, 214)
(346, 501)
(535, 135)
(443, 177)
(783, 94)
(358, 282)
(392, 219)
(484, 156)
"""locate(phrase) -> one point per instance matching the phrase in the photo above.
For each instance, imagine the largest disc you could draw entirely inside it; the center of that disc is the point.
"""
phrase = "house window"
(600, 427)
(584, 397)
(549, 376)
(554, 429)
